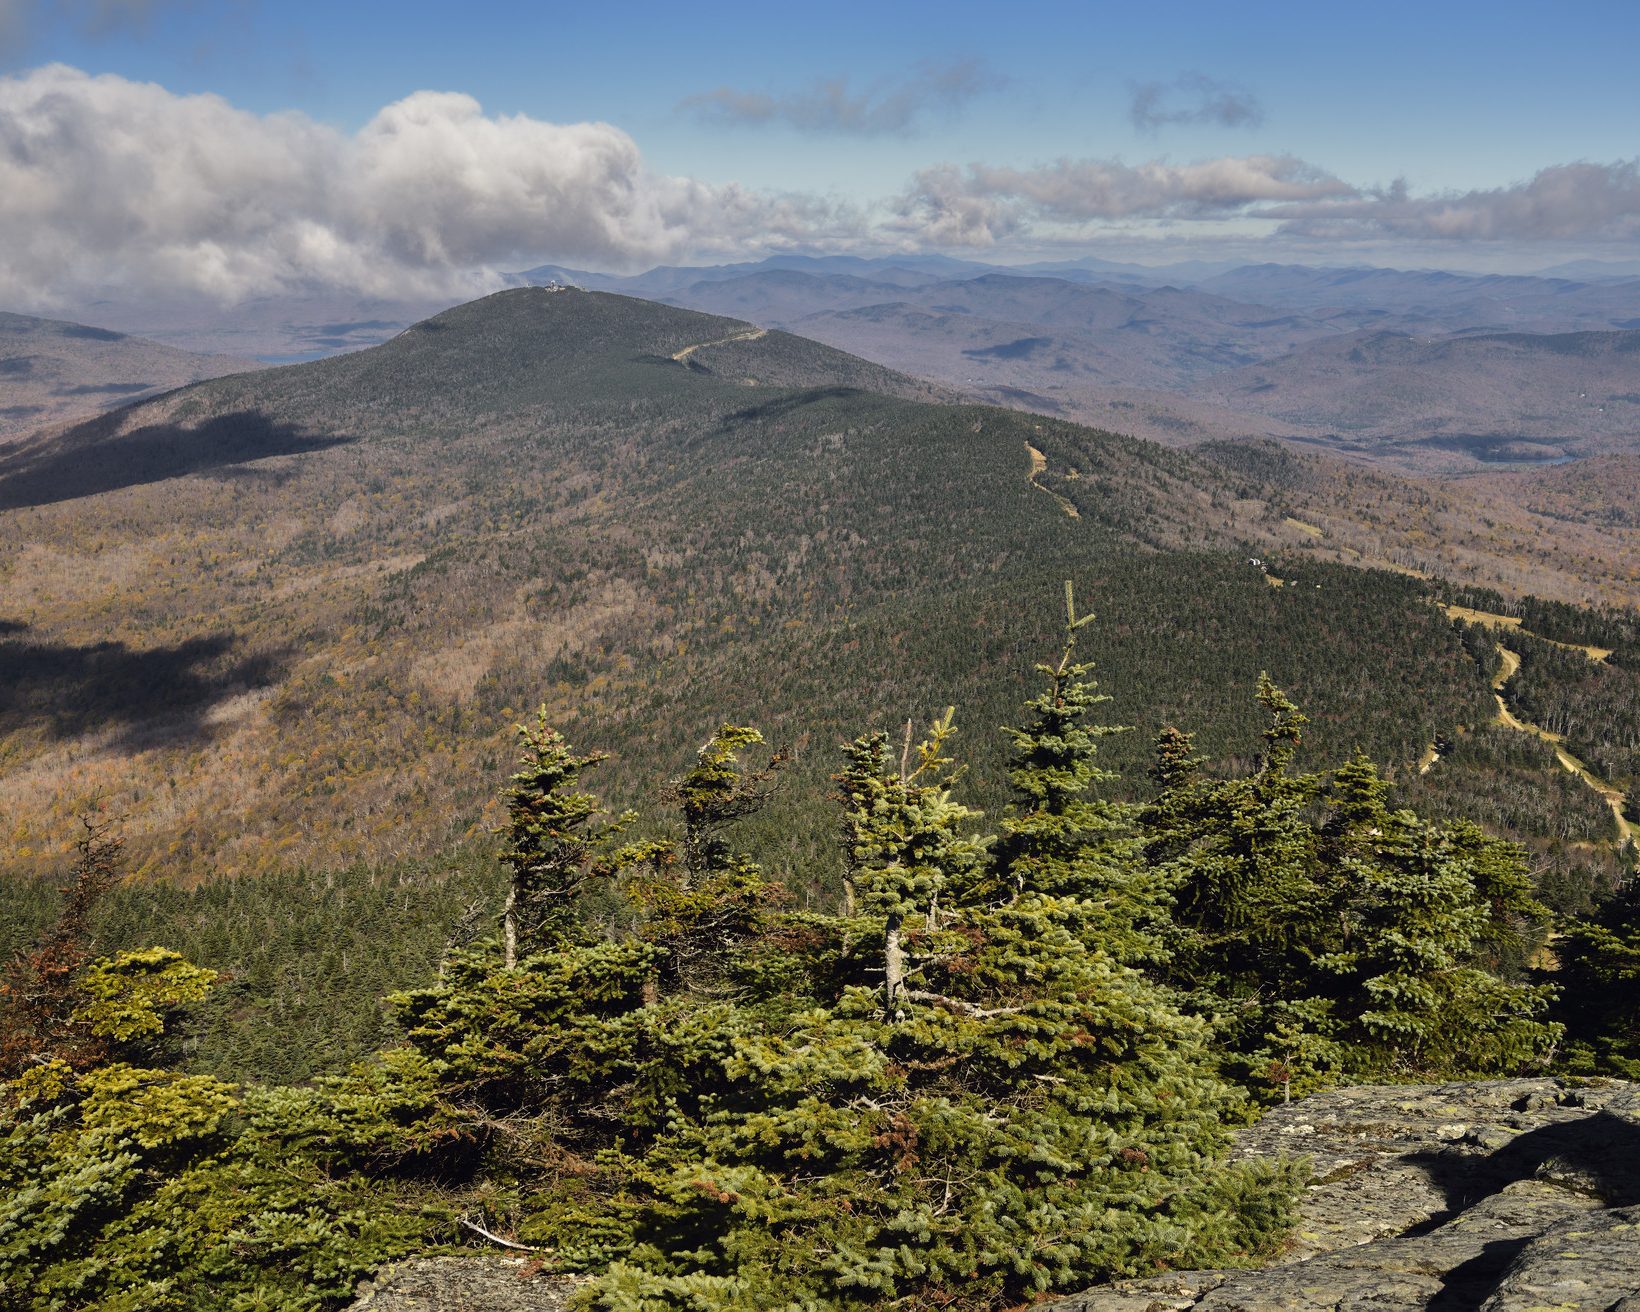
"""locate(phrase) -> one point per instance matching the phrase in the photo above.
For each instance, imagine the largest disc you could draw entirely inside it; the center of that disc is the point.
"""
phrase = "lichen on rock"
(1497, 1195)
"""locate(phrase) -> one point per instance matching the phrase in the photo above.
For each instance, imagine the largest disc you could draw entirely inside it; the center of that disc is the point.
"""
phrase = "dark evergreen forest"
(1003, 1060)
(740, 975)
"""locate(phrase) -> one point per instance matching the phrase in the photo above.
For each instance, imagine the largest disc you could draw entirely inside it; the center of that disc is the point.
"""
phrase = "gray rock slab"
(477, 1283)
(1507, 1195)
(1587, 1264)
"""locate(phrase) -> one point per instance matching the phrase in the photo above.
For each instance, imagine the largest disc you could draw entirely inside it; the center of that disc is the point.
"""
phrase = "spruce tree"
(1241, 857)
(1012, 1109)
(906, 842)
(1059, 838)
(541, 1040)
(700, 900)
(550, 840)
(1329, 936)
(1600, 997)
(1410, 993)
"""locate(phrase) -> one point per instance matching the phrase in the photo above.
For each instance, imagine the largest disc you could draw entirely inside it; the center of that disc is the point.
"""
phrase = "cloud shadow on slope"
(96, 456)
(788, 404)
(161, 694)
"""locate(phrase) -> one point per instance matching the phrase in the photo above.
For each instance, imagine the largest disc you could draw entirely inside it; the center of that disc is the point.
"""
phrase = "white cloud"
(1567, 202)
(983, 204)
(890, 106)
(108, 182)
(111, 187)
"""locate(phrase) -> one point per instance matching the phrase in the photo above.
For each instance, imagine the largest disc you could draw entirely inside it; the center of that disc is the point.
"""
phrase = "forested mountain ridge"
(281, 618)
(1488, 397)
(52, 372)
(847, 1017)
(1421, 370)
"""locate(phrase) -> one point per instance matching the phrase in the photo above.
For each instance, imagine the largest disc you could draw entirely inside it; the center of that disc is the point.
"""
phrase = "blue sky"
(850, 112)
(1449, 94)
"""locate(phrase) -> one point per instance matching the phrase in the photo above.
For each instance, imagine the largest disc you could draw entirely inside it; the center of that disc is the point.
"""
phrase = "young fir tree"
(542, 1035)
(700, 901)
(1405, 976)
(1600, 994)
(1331, 937)
(1058, 837)
(1241, 857)
(906, 843)
(1517, 924)
(550, 840)
(1006, 1108)
(533, 1052)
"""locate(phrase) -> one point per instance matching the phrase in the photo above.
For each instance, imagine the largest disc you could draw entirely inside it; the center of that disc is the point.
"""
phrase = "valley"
(1418, 371)
(53, 372)
(286, 617)
(743, 659)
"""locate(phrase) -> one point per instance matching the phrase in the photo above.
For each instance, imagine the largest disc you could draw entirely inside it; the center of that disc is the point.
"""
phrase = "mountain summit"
(337, 582)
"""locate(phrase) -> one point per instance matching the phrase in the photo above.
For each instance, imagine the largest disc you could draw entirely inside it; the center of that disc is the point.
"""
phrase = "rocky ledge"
(465, 1284)
(1498, 1196)
(1495, 1196)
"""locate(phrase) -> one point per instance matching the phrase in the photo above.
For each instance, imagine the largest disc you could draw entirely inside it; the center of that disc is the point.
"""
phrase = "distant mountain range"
(1604, 296)
(53, 372)
(1493, 398)
(1431, 300)
(1369, 362)
(1349, 359)
(288, 615)
(1050, 334)
(1593, 270)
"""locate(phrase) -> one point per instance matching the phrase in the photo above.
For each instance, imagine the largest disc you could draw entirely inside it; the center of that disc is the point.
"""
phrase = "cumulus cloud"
(982, 204)
(831, 106)
(109, 182)
(110, 186)
(1582, 201)
(1193, 98)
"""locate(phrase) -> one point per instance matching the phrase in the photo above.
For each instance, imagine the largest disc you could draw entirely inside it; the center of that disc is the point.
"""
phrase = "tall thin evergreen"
(1057, 836)
(700, 899)
(550, 839)
(906, 841)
